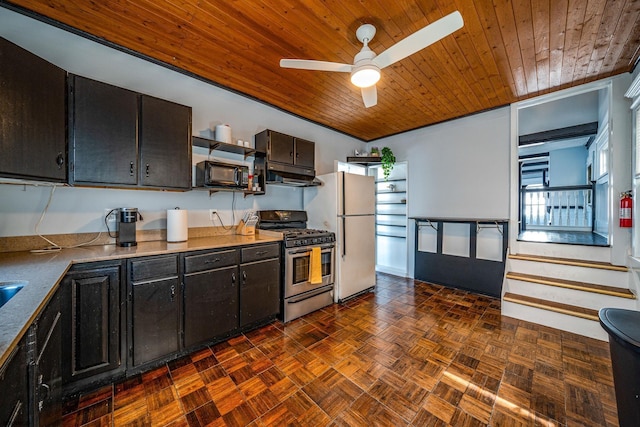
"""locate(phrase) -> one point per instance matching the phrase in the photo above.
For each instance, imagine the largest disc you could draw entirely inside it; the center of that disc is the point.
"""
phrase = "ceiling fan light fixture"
(365, 75)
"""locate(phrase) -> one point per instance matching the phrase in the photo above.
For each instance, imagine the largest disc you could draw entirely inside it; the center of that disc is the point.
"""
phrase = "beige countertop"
(44, 271)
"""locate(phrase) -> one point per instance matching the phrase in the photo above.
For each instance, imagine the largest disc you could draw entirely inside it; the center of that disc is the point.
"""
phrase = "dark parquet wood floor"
(409, 354)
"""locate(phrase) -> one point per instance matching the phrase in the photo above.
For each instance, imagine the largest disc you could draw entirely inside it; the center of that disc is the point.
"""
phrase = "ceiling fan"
(365, 71)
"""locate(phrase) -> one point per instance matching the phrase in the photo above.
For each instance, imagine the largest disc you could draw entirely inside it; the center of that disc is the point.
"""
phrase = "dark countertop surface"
(44, 271)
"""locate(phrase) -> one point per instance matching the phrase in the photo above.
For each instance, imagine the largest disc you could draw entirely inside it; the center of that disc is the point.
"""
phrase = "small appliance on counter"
(126, 226)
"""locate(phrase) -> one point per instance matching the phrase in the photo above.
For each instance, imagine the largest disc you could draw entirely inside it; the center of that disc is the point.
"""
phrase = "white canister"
(223, 133)
(177, 225)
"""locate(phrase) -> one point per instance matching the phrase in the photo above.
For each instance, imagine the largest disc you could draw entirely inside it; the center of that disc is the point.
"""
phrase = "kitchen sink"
(9, 289)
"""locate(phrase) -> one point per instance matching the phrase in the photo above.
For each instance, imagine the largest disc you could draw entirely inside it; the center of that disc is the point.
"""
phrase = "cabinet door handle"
(173, 292)
(147, 169)
(131, 169)
(60, 160)
(233, 278)
(43, 395)
(290, 153)
(14, 414)
(244, 277)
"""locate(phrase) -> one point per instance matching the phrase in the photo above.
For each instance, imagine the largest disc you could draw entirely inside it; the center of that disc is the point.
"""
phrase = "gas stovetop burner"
(292, 225)
(296, 237)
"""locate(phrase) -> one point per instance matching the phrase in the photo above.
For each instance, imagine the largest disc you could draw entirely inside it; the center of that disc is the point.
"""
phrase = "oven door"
(297, 262)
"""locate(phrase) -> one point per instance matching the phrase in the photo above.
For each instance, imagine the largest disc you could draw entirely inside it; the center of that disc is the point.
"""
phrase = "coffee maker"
(126, 226)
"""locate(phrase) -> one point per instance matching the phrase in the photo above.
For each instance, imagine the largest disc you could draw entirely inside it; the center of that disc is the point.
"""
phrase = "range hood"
(294, 176)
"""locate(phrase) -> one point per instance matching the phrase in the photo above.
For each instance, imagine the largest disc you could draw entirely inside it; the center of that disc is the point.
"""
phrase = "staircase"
(565, 293)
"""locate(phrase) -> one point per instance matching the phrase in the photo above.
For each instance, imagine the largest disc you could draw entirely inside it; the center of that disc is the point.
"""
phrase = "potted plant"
(388, 160)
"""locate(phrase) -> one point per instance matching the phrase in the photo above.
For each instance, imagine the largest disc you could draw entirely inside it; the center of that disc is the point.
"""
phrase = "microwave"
(218, 174)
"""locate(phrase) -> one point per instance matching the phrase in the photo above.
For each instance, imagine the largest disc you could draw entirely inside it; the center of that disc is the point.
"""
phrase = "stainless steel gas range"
(299, 295)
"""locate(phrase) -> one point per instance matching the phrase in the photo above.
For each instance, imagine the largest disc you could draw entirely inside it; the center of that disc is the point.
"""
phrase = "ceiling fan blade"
(308, 64)
(370, 96)
(420, 39)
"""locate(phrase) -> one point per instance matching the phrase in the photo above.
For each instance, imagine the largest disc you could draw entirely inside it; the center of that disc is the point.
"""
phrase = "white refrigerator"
(345, 204)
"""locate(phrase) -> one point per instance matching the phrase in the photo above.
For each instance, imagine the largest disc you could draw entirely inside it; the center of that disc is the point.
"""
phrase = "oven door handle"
(306, 249)
(310, 294)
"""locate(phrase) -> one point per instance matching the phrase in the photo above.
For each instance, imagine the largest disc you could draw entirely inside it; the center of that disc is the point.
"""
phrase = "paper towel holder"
(177, 227)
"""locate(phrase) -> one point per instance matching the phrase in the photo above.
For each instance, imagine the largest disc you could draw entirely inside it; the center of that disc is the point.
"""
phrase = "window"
(602, 153)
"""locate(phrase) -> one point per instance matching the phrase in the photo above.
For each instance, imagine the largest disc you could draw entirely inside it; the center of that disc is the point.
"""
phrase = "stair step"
(569, 261)
(571, 310)
(570, 284)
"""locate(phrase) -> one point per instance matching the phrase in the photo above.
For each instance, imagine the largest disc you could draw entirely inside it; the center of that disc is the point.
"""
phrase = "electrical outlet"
(112, 215)
(212, 214)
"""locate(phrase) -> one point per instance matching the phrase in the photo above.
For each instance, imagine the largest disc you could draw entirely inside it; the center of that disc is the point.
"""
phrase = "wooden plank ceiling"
(506, 51)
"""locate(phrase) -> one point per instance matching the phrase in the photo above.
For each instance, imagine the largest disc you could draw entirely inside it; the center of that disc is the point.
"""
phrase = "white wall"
(80, 210)
(458, 168)
(568, 166)
(620, 177)
(561, 113)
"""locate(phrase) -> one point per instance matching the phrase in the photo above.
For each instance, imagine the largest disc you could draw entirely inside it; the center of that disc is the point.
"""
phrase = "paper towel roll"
(223, 133)
(177, 225)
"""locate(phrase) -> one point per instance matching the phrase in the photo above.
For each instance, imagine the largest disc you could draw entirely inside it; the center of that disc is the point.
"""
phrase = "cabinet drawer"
(210, 261)
(257, 253)
(153, 268)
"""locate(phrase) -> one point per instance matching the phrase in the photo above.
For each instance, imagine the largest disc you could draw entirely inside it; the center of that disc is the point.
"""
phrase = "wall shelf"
(390, 180)
(391, 235)
(364, 160)
(213, 190)
(212, 145)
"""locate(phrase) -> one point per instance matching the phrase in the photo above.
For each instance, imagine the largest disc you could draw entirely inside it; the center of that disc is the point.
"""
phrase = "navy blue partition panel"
(469, 273)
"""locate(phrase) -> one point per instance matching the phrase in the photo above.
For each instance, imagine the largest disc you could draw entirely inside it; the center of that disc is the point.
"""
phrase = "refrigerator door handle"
(344, 198)
(344, 235)
(344, 211)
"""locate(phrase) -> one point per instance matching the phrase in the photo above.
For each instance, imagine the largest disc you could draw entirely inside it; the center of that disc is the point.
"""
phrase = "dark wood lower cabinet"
(210, 304)
(92, 318)
(155, 319)
(259, 291)
(14, 384)
(45, 368)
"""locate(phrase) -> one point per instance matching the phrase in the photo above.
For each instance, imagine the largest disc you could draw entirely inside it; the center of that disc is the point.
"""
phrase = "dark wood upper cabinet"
(32, 112)
(165, 144)
(280, 148)
(119, 138)
(286, 149)
(305, 153)
(103, 133)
